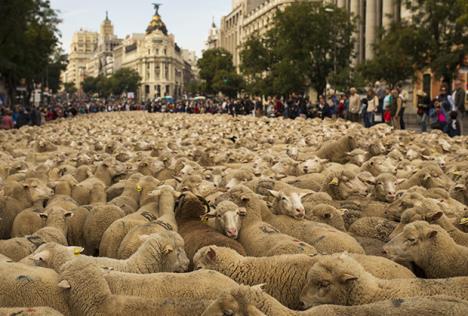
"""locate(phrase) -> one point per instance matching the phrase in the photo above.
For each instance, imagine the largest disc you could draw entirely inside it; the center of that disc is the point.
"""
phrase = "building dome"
(156, 23)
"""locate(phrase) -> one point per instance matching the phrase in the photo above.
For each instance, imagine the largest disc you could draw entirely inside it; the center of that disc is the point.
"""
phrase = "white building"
(255, 17)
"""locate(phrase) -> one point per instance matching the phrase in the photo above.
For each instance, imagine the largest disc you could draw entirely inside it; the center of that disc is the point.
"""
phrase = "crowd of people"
(378, 105)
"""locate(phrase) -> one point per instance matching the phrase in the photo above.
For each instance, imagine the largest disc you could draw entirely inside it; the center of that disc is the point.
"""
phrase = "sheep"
(281, 272)
(227, 219)
(89, 294)
(248, 297)
(17, 197)
(25, 286)
(379, 165)
(209, 284)
(189, 214)
(428, 177)
(166, 221)
(20, 247)
(98, 220)
(385, 187)
(373, 227)
(128, 201)
(341, 185)
(431, 248)
(336, 151)
(158, 253)
(96, 185)
(56, 226)
(340, 279)
(324, 238)
(116, 232)
(75, 231)
(231, 303)
(27, 222)
(432, 216)
(257, 237)
(324, 213)
(285, 198)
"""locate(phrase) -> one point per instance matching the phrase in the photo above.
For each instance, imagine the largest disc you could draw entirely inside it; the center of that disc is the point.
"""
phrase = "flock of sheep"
(153, 214)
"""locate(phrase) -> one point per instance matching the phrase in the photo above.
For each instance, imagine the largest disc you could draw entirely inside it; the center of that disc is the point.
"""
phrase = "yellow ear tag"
(335, 181)
(464, 221)
(139, 188)
(204, 219)
(77, 251)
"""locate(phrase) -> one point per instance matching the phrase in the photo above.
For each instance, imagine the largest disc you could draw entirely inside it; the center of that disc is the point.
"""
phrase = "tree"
(89, 85)
(50, 76)
(28, 37)
(227, 82)
(69, 87)
(434, 37)
(307, 42)
(212, 62)
(391, 62)
(255, 64)
(125, 80)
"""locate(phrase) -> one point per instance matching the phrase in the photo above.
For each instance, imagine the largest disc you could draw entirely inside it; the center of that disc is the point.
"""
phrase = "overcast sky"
(188, 20)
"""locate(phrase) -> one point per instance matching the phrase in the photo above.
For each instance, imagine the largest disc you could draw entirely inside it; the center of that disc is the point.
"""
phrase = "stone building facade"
(82, 49)
(164, 67)
(251, 17)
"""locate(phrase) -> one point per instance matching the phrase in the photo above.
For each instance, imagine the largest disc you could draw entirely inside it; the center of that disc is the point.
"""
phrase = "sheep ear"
(346, 277)
(155, 193)
(274, 193)
(432, 234)
(211, 255)
(64, 284)
(68, 215)
(400, 181)
(242, 211)
(327, 215)
(245, 198)
(43, 215)
(436, 216)
(35, 240)
(259, 287)
(168, 249)
(304, 194)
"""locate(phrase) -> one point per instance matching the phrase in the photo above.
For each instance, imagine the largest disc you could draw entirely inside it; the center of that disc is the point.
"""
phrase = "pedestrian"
(395, 108)
(454, 125)
(340, 112)
(439, 117)
(372, 107)
(354, 105)
(6, 121)
(404, 96)
(423, 110)
(459, 96)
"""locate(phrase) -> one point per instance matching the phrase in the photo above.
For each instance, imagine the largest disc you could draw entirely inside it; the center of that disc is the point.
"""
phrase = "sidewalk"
(412, 123)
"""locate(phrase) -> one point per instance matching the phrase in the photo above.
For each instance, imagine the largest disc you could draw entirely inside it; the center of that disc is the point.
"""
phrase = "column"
(340, 3)
(355, 13)
(388, 13)
(371, 27)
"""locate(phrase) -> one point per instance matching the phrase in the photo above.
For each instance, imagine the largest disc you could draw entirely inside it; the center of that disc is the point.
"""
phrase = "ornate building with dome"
(164, 67)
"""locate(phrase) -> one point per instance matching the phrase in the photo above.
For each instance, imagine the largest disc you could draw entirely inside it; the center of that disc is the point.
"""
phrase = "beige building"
(82, 49)
(102, 62)
(163, 66)
(157, 58)
(254, 17)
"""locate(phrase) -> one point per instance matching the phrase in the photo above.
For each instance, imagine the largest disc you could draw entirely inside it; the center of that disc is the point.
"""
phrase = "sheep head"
(416, 242)
(330, 279)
